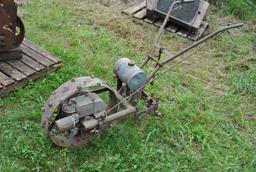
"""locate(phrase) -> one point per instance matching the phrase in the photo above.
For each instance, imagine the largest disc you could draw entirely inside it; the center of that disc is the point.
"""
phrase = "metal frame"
(159, 64)
(123, 102)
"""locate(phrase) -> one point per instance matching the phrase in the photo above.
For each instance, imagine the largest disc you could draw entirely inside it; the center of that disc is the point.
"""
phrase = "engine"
(81, 107)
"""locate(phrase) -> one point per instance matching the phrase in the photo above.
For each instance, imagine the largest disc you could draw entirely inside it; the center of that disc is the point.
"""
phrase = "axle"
(94, 123)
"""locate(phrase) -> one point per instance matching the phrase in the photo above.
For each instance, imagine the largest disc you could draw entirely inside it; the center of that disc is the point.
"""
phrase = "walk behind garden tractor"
(83, 108)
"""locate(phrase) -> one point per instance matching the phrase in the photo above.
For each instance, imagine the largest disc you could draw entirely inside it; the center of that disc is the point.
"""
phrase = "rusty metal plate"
(186, 13)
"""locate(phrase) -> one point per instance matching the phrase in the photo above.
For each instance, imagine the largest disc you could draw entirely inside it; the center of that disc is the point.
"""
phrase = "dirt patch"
(238, 67)
(250, 117)
(119, 3)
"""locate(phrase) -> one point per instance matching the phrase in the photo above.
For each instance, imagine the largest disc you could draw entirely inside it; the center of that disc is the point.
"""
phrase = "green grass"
(245, 9)
(241, 70)
(206, 102)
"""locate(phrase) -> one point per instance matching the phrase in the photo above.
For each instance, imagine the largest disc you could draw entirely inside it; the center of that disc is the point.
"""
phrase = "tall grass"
(243, 9)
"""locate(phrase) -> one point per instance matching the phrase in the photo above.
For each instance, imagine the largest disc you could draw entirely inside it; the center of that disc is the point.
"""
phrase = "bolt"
(43, 124)
(69, 102)
(79, 87)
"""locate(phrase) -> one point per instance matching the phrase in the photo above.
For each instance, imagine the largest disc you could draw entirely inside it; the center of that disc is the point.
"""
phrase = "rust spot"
(65, 89)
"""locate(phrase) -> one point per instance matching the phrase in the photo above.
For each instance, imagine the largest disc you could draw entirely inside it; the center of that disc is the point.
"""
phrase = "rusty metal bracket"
(12, 30)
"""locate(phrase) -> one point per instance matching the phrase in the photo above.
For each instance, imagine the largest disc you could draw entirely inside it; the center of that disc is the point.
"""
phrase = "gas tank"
(130, 74)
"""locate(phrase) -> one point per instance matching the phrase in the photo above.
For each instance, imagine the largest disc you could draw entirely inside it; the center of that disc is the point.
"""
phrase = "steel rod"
(158, 36)
(94, 123)
(177, 55)
(221, 30)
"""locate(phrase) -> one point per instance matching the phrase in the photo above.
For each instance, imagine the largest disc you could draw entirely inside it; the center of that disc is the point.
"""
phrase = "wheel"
(21, 34)
(52, 111)
(6, 41)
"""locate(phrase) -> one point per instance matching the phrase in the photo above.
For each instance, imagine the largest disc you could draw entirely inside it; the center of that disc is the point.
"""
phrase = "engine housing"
(81, 106)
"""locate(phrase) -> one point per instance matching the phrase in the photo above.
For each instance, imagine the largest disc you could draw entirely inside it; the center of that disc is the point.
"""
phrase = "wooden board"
(34, 64)
(139, 12)
(201, 13)
(196, 35)
(134, 9)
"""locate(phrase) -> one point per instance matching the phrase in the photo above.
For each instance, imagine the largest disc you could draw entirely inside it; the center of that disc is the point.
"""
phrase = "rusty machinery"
(83, 108)
(189, 16)
(12, 30)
